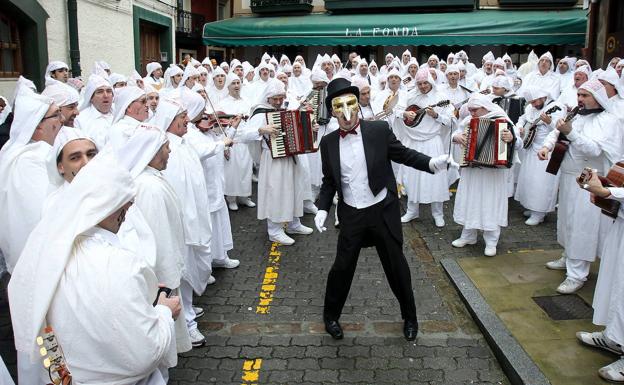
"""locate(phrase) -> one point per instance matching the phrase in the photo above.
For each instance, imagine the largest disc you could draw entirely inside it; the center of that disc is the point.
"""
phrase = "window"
(10, 51)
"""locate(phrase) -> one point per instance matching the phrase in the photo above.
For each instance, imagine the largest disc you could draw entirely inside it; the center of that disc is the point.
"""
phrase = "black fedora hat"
(339, 87)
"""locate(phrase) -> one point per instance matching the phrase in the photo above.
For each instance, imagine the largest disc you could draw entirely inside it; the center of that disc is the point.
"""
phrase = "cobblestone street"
(263, 320)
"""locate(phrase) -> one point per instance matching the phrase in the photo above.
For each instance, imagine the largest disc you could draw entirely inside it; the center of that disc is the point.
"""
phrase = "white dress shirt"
(354, 175)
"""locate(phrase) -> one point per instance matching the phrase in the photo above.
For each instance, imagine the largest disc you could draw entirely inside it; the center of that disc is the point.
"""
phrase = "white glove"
(319, 220)
(440, 163)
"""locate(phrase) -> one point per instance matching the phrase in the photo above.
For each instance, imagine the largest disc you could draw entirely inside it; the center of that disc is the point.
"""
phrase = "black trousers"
(363, 227)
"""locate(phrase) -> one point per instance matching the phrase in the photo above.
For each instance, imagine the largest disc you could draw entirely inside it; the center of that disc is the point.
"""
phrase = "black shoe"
(334, 329)
(410, 329)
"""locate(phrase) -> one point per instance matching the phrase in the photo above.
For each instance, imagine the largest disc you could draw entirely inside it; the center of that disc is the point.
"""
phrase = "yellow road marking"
(453, 190)
(251, 371)
(270, 279)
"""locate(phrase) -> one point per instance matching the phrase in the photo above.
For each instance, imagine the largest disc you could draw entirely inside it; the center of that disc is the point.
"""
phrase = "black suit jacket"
(380, 147)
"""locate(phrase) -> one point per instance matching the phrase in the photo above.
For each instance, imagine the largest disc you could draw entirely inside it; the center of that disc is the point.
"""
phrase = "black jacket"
(380, 147)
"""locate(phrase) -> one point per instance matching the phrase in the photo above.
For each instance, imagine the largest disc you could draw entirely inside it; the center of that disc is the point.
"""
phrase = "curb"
(515, 362)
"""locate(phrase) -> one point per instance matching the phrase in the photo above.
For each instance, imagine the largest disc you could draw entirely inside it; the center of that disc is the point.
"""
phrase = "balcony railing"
(190, 24)
(367, 6)
(281, 6)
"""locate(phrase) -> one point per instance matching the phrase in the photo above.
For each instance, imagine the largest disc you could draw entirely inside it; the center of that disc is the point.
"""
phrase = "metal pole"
(74, 47)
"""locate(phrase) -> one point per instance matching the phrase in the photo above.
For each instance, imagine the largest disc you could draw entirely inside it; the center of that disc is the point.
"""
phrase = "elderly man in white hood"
(544, 76)
(76, 248)
(96, 115)
(596, 141)
(130, 111)
(67, 99)
(24, 184)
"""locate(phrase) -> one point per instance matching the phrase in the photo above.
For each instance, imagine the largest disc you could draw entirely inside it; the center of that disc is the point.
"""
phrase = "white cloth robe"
(549, 82)
(185, 174)
(217, 95)
(458, 96)
(607, 303)
(160, 207)
(314, 158)
(568, 97)
(481, 201)
(221, 241)
(239, 167)
(20, 206)
(121, 131)
(596, 141)
(95, 124)
(536, 189)
(103, 308)
(426, 138)
(397, 113)
(281, 182)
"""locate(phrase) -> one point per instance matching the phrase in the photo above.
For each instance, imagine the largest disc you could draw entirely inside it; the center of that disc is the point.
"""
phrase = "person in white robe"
(217, 91)
(147, 153)
(544, 76)
(300, 84)
(71, 151)
(565, 70)
(409, 75)
(306, 71)
(96, 112)
(23, 170)
(173, 77)
(67, 99)
(185, 174)
(481, 202)
(607, 303)
(77, 251)
(238, 163)
(366, 111)
(118, 80)
(615, 91)
(596, 142)
(406, 56)
(154, 76)
(361, 71)
(425, 137)
(387, 61)
(486, 68)
(327, 65)
(536, 189)
(153, 97)
(569, 96)
(281, 181)
(130, 111)
(208, 149)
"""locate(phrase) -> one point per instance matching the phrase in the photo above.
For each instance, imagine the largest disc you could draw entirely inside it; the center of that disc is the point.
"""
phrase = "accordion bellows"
(484, 144)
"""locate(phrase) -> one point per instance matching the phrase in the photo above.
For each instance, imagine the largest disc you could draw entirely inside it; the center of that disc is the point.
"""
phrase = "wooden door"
(150, 44)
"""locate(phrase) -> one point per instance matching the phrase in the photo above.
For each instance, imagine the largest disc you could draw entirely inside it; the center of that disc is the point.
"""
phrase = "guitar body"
(614, 178)
(420, 112)
(554, 164)
(529, 137)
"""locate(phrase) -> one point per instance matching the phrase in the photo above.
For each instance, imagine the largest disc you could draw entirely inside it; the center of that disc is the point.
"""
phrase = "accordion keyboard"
(278, 145)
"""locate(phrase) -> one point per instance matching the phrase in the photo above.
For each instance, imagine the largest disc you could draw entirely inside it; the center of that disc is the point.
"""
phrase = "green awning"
(482, 27)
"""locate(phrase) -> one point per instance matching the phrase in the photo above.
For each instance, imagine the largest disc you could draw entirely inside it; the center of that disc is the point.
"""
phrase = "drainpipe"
(589, 51)
(74, 48)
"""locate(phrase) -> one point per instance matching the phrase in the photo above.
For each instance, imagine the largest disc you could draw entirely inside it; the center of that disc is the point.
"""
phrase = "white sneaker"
(409, 216)
(301, 229)
(460, 242)
(490, 251)
(199, 312)
(534, 220)
(197, 339)
(558, 264)
(599, 340)
(233, 206)
(283, 239)
(247, 202)
(254, 178)
(226, 263)
(211, 280)
(569, 286)
(309, 207)
(613, 372)
(439, 221)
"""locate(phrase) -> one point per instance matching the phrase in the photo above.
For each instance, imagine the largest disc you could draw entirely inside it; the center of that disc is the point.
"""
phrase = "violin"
(216, 119)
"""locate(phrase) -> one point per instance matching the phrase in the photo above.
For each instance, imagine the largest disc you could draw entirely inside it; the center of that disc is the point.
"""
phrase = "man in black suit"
(356, 164)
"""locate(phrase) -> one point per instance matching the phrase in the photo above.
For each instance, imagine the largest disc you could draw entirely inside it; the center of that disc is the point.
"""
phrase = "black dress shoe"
(334, 329)
(410, 329)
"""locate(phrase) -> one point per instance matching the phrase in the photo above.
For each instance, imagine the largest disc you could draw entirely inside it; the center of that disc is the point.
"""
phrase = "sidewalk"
(508, 283)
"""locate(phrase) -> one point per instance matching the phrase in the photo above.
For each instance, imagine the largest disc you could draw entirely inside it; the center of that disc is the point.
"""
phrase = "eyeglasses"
(57, 115)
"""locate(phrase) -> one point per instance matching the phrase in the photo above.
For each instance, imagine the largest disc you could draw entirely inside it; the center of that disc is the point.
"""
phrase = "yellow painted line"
(453, 190)
(269, 281)
(251, 371)
(529, 250)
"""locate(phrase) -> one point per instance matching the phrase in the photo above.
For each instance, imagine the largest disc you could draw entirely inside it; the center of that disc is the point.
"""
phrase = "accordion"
(484, 144)
(296, 135)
